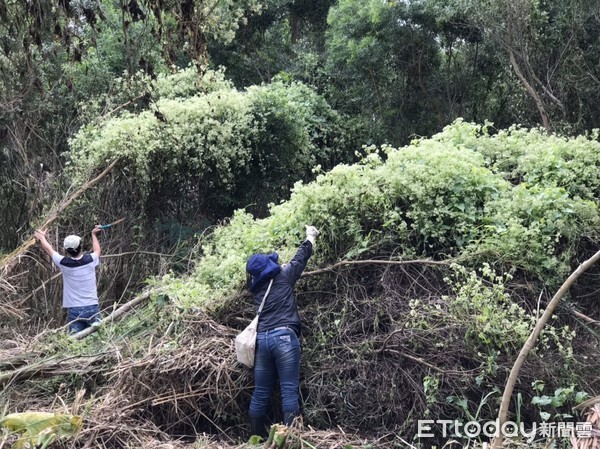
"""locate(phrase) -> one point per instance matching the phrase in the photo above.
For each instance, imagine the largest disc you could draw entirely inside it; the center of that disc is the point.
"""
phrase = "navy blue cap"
(262, 267)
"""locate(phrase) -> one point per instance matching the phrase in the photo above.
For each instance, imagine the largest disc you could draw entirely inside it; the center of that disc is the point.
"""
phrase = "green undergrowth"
(441, 198)
(491, 323)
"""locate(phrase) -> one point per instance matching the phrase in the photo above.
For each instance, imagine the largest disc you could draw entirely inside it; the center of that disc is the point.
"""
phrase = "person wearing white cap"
(80, 295)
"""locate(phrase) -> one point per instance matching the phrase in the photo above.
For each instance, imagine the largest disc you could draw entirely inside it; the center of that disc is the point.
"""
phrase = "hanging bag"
(245, 342)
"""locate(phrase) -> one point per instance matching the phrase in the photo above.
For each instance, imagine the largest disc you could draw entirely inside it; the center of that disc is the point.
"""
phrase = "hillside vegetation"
(445, 149)
(442, 255)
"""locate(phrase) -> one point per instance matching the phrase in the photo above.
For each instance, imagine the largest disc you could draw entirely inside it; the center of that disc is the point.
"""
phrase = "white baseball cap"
(72, 242)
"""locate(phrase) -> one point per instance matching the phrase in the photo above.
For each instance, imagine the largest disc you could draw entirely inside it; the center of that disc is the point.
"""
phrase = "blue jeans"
(80, 318)
(277, 355)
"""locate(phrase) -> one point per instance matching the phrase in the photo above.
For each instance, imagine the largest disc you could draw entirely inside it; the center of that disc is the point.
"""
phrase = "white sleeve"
(56, 258)
(96, 259)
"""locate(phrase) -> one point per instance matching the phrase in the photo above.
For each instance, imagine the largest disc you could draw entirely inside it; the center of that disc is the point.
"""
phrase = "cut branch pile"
(592, 438)
(364, 367)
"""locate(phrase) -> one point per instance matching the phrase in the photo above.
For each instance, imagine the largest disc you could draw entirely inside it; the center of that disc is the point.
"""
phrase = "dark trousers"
(277, 355)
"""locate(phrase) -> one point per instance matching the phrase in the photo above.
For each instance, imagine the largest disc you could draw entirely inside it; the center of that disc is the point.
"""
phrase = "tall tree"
(547, 44)
(288, 36)
(197, 21)
(404, 67)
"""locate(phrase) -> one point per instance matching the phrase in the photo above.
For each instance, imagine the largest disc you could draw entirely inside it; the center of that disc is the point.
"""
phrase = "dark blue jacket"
(280, 307)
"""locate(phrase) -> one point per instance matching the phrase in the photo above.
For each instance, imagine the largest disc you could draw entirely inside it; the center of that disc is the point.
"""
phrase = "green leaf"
(581, 396)
(541, 400)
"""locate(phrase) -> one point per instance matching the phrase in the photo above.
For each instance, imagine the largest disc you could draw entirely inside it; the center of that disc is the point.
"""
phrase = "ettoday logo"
(429, 428)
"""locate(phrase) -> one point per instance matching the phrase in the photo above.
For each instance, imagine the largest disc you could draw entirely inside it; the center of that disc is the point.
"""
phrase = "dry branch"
(41, 287)
(586, 318)
(592, 440)
(374, 262)
(16, 361)
(53, 367)
(135, 253)
(6, 287)
(588, 403)
(531, 341)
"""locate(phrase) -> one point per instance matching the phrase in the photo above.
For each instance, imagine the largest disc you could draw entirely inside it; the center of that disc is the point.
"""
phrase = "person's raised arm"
(96, 249)
(41, 236)
(297, 265)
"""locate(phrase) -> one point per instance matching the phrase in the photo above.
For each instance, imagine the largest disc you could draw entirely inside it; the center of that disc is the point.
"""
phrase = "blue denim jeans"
(80, 318)
(277, 355)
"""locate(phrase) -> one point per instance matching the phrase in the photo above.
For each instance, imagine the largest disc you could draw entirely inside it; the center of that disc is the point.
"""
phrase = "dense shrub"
(203, 145)
(436, 198)
(534, 157)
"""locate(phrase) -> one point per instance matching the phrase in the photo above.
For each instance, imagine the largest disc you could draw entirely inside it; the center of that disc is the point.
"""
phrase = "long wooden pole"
(117, 313)
(375, 262)
(144, 296)
(530, 343)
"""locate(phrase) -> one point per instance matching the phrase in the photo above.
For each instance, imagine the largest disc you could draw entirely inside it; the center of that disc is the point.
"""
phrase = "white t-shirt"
(79, 279)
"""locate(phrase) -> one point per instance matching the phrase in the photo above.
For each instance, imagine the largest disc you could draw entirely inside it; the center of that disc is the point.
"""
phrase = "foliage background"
(456, 133)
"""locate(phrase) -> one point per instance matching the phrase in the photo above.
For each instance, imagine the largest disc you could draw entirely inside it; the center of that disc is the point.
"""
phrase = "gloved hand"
(311, 234)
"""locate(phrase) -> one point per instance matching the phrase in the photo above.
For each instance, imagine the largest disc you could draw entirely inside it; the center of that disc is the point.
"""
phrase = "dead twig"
(374, 262)
(586, 318)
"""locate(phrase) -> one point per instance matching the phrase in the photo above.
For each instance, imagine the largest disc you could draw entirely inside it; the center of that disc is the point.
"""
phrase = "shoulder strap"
(264, 298)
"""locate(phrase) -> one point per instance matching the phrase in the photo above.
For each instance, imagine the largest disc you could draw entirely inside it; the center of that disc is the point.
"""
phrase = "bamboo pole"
(117, 313)
(55, 214)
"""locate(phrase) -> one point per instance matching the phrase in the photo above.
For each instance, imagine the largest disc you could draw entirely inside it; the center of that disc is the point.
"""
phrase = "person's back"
(280, 308)
(80, 296)
(277, 342)
(79, 279)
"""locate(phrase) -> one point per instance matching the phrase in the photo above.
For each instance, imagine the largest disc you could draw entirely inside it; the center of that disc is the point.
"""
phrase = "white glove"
(311, 234)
